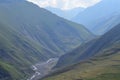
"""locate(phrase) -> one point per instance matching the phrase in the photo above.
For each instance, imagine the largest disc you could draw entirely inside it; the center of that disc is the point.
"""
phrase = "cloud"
(65, 4)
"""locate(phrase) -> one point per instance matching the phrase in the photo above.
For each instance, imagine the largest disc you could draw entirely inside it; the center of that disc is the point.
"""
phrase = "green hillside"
(99, 61)
(104, 67)
(18, 52)
(44, 27)
(91, 48)
(29, 34)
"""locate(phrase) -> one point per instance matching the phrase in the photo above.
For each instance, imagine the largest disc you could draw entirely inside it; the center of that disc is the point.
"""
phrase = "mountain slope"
(67, 14)
(106, 24)
(28, 35)
(99, 61)
(97, 14)
(106, 67)
(91, 48)
(18, 53)
(53, 28)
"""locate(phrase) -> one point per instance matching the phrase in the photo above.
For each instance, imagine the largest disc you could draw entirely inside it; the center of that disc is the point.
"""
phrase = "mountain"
(105, 67)
(96, 60)
(98, 15)
(106, 24)
(91, 48)
(67, 14)
(36, 30)
(29, 34)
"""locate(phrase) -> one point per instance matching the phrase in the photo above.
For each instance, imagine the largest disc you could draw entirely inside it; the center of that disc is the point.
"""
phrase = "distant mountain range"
(67, 14)
(29, 34)
(106, 24)
(97, 60)
(97, 16)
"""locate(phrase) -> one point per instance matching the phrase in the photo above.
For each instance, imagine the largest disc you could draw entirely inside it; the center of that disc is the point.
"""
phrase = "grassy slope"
(91, 48)
(17, 53)
(103, 67)
(51, 31)
(28, 35)
(104, 64)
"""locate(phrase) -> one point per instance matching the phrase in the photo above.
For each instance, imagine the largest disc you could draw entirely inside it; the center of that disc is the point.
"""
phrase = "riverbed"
(43, 68)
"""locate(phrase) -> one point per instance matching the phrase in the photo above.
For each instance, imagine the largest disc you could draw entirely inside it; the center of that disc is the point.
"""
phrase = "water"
(42, 69)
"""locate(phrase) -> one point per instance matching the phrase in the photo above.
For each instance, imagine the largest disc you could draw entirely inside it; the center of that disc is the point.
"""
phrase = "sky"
(65, 4)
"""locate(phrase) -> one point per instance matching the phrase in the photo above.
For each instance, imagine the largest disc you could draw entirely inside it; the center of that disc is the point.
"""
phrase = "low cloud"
(65, 4)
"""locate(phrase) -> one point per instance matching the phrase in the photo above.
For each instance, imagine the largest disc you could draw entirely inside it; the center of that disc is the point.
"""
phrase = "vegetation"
(91, 48)
(28, 35)
(98, 68)
(102, 62)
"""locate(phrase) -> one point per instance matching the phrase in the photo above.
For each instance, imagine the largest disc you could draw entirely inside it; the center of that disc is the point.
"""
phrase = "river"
(43, 68)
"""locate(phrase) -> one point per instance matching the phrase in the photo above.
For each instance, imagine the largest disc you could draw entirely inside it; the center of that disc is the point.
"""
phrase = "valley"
(96, 63)
(51, 41)
(29, 36)
(107, 68)
(43, 68)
